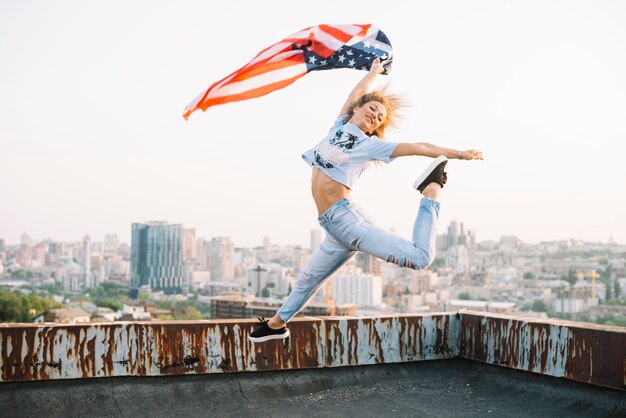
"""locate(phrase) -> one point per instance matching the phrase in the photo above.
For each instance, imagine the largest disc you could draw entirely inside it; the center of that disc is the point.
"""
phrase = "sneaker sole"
(429, 170)
(269, 337)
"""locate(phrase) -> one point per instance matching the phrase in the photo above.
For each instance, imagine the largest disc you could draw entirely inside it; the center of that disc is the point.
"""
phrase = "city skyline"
(92, 137)
(442, 230)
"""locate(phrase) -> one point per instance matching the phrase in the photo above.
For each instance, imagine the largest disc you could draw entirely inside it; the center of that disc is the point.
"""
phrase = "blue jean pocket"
(338, 214)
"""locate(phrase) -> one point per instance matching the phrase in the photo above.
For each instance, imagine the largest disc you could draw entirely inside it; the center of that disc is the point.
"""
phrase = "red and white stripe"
(278, 65)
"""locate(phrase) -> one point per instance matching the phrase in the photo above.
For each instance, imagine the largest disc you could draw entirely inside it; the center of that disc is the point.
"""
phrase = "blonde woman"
(354, 142)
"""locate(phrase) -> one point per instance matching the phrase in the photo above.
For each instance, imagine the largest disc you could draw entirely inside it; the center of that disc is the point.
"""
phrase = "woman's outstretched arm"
(430, 150)
(363, 86)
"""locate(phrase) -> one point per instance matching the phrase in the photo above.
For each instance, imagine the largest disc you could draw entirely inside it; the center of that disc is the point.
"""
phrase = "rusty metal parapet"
(573, 350)
(56, 351)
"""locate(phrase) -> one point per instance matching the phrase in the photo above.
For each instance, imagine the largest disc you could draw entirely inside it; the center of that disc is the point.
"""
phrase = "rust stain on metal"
(594, 361)
(571, 350)
(41, 352)
(557, 348)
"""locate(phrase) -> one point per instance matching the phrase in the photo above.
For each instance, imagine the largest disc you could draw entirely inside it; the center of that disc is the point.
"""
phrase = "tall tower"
(267, 246)
(221, 258)
(111, 242)
(86, 265)
(157, 256)
(455, 231)
(189, 244)
(25, 239)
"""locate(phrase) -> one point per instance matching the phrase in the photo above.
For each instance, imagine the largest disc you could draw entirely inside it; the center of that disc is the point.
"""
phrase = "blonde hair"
(392, 103)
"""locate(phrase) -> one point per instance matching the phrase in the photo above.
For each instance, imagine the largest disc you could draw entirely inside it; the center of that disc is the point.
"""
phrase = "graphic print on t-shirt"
(334, 152)
(347, 143)
(321, 161)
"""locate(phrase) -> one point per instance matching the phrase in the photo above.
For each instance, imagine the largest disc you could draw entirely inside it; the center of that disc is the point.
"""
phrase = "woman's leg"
(355, 231)
(416, 254)
(323, 263)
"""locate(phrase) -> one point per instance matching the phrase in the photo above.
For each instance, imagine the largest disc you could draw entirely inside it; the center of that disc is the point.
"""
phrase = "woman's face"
(369, 116)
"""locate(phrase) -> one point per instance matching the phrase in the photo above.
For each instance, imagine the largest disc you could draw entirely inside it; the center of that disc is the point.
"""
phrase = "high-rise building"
(39, 252)
(202, 254)
(221, 258)
(189, 244)
(26, 240)
(157, 256)
(54, 248)
(456, 235)
(111, 242)
(25, 256)
(469, 240)
(457, 257)
(267, 249)
(455, 232)
(86, 264)
(362, 289)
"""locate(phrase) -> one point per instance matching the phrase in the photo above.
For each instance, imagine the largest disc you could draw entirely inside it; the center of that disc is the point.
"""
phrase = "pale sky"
(92, 136)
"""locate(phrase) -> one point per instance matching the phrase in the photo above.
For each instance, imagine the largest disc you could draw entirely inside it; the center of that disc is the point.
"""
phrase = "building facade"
(157, 256)
(361, 289)
(221, 258)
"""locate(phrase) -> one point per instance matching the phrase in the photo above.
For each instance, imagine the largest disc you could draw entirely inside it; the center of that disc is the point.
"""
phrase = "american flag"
(322, 47)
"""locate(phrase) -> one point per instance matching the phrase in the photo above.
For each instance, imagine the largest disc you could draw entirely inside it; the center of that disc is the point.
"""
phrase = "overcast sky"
(92, 136)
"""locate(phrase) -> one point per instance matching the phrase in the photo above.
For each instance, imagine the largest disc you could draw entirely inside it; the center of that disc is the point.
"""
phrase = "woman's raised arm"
(430, 150)
(363, 86)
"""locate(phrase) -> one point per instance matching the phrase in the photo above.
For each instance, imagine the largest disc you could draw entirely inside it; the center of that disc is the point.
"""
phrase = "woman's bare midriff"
(326, 191)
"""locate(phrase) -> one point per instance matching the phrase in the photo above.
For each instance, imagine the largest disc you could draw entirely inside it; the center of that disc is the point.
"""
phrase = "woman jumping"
(354, 142)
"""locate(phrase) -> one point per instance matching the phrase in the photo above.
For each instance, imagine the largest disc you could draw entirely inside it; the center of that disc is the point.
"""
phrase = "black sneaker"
(433, 174)
(265, 333)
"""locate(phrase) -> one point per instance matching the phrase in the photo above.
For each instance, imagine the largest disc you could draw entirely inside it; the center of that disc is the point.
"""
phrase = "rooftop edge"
(583, 352)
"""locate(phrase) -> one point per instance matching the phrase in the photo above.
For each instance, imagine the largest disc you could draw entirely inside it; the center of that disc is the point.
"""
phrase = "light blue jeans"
(349, 229)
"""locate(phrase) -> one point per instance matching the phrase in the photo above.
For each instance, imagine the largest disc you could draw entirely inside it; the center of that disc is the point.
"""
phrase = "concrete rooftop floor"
(437, 388)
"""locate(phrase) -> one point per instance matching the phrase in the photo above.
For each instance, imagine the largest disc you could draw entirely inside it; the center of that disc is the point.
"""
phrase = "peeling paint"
(556, 348)
(570, 350)
(35, 352)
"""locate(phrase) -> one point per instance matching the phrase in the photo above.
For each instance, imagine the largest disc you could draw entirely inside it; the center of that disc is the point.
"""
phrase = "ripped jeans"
(349, 229)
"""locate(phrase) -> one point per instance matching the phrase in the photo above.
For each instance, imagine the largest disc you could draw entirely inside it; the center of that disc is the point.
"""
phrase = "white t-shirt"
(346, 152)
